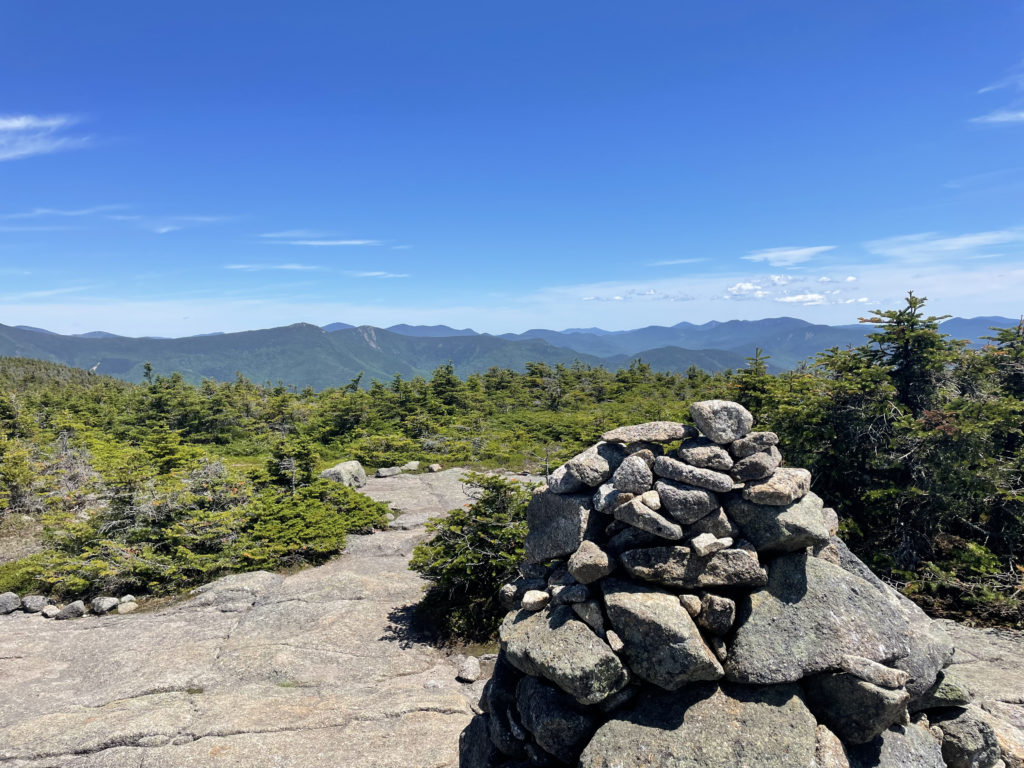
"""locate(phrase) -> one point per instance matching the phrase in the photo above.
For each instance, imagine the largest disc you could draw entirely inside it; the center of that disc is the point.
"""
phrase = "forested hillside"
(916, 439)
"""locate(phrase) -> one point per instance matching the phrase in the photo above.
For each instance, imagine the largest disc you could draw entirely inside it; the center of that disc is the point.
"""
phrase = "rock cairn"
(685, 602)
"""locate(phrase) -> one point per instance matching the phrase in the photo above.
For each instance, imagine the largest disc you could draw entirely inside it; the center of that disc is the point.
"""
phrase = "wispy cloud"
(23, 136)
(266, 267)
(930, 246)
(291, 234)
(28, 295)
(6, 228)
(328, 243)
(382, 275)
(36, 213)
(787, 257)
(642, 294)
(1001, 116)
(674, 262)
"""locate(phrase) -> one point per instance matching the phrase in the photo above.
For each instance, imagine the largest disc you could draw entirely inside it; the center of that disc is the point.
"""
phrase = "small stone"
(651, 432)
(755, 442)
(590, 563)
(557, 525)
(633, 476)
(967, 740)
(831, 520)
(388, 472)
(410, 466)
(784, 487)
(676, 567)
(722, 421)
(873, 672)
(640, 516)
(702, 452)
(9, 602)
(691, 603)
(828, 552)
(73, 610)
(780, 528)
(854, 709)
(34, 603)
(651, 500)
(829, 751)
(563, 481)
(350, 473)
(717, 614)
(614, 641)
(707, 544)
(672, 469)
(49, 611)
(509, 596)
(127, 607)
(103, 605)
(558, 724)
(605, 498)
(434, 468)
(719, 648)
(757, 466)
(469, 670)
(685, 503)
(577, 593)
(647, 455)
(716, 523)
(535, 600)
(128, 599)
(560, 576)
(595, 465)
(589, 612)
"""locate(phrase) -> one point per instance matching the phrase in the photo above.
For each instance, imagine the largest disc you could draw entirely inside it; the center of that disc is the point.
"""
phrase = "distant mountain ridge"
(307, 355)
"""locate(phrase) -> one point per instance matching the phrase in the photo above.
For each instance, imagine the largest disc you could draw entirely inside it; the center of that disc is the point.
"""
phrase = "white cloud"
(1001, 116)
(73, 212)
(265, 267)
(746, 290)
(23, 136)
(787, 257)
(929, 246)
(383, 275)
(322, 243)
(850, 279)
(807, 299)
(781, 279)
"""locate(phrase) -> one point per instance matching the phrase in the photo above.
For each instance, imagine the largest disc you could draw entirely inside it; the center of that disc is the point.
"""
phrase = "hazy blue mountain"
(974, 328)
(431, 331)
(98, 335)
(33, 328)
(337, 326)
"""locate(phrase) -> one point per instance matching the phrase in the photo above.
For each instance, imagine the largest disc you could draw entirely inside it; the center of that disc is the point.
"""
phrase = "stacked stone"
(685, 601)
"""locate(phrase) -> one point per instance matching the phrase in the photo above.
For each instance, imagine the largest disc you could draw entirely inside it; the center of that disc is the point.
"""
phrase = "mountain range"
(307, 355)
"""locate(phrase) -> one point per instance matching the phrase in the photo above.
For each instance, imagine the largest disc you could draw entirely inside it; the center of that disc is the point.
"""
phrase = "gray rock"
(672, 469)
(633, 538)
(535, 600)
(647, 455)
(755, 442)
(127, 599)
(410, 466)
(476, 750)
(35, 603)
(902, 746)
(469, 670)
(784, 487)
(557, 646)
(873, 672)
(831, 520)
(563, 481)
(717, 614)
(707, 544)
(651, 432)
(614, 641)
(662, 644)
(655, 449)
(704, 726)
(947, 691)
(49, 611)
(692, 604)
(558, 724)
(559, 576)
(557, 524)
(102, 605)
(590, 613)
(388, 472)
(787, 528)
(9, 603)
(717, 523)
(757, 466)
(73, 610)
(722, 421)
(595, 465)
(967, 740)
(702, 452)
(677, 567)
(685, 504)
(434, 468)
(124, 608)
(576, 593)
(499, 701)
(810, 615)
(605, 498)
(350, 473)
(854, 709)
(637, 514)
(651, 500)
(633, 476)
(590, 563)
(829, 751)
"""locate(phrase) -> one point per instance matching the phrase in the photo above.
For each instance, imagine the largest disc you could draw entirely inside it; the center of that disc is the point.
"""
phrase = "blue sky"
(177, 168)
